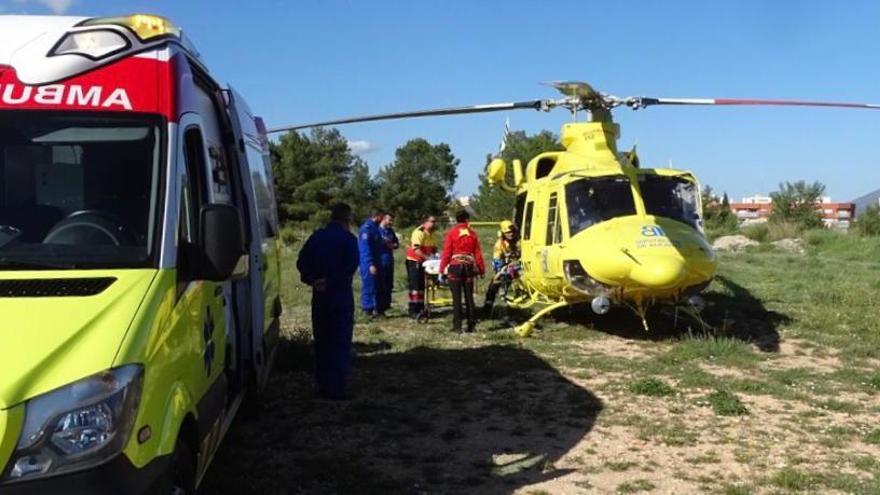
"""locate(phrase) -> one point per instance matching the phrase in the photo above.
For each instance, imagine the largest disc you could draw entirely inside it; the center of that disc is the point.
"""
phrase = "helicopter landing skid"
(528, 327)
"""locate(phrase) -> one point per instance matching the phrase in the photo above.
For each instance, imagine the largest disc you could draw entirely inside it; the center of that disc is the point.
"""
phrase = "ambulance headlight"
(77, 426)
(95, 44)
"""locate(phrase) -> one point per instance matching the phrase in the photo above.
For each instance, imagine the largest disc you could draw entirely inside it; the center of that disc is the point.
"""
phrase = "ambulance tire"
(252, 406)
(183, 470)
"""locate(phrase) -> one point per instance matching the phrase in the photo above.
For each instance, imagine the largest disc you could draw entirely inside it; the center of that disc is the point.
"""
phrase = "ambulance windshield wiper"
(6, 262)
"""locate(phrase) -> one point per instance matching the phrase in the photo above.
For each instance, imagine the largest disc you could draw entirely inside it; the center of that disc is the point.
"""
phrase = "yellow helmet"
(507, 226)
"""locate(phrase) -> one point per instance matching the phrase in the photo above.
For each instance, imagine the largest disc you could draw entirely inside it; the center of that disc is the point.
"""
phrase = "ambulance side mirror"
(221, 244)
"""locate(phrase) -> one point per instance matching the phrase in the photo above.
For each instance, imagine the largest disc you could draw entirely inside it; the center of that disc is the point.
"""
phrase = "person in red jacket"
(462, 261)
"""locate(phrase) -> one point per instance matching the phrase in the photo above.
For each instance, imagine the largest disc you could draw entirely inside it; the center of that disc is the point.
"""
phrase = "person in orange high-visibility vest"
(423, 245)
(462, 260)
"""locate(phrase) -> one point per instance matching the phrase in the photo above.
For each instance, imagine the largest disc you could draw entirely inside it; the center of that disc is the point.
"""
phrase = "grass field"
(783, 398)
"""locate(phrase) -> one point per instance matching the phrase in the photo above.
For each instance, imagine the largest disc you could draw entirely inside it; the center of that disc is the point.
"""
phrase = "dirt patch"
(794, 354)
(616, 347)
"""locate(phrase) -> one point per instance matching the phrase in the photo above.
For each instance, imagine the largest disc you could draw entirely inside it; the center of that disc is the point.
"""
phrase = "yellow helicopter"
(596, 228)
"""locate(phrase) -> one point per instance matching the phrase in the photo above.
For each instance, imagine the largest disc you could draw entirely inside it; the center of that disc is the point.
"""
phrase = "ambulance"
(139, 257)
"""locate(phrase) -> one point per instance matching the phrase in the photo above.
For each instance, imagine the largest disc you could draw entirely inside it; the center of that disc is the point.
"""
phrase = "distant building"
(753, 209)
(757, 209)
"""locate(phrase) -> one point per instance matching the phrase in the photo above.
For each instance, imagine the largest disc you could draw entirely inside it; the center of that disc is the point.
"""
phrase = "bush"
(720, 226)
(797, 203)
(783, 230)
(868, 224)
(290, 235)
(759, 232)
(725, 403)
(651, 386)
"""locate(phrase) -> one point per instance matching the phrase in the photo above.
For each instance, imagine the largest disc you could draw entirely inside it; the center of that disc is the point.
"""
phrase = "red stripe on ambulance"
(131, 84)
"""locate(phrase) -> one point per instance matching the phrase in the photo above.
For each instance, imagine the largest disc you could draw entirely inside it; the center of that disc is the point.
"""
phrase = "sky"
(304, 61)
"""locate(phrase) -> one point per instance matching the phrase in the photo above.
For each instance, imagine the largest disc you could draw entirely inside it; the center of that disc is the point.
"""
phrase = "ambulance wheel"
(183, 470)
(254, 399)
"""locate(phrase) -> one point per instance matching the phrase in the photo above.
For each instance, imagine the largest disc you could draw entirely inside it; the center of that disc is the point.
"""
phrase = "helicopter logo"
(653, 231)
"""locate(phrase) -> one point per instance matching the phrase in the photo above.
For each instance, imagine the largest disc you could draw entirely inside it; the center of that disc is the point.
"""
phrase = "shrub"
(725, 403)
(868, 224)
(778, 230)
(758, 232)
(652, 387)
(290, 235)
(797, 203)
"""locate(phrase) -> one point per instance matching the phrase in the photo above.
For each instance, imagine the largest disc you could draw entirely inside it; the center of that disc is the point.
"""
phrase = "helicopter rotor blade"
(493, 107)
(638, 102)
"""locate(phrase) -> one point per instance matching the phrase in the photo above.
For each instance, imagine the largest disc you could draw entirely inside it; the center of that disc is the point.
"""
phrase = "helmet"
(507, 226)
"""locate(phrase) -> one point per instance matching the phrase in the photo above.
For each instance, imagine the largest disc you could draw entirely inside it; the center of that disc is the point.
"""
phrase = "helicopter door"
(552, 250)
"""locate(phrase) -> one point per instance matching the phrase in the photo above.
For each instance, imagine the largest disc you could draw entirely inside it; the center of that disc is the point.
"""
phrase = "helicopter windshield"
(670, 197)
(595, 200)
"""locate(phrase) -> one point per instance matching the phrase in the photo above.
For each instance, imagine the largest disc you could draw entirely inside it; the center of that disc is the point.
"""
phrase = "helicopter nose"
(658, 272)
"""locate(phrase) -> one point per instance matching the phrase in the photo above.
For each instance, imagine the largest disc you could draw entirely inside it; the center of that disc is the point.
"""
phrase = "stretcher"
(437, 292)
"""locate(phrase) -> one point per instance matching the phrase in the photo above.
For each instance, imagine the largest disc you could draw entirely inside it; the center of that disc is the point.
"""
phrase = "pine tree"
(491, 202)
(419, 182)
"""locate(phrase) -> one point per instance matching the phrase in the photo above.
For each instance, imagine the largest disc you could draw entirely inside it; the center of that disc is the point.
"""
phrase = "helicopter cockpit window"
(591, 201)
(670, 197)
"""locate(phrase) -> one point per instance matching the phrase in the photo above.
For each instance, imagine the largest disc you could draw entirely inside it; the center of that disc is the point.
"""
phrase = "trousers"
(385, 285)
(461, 284)
(332, 328)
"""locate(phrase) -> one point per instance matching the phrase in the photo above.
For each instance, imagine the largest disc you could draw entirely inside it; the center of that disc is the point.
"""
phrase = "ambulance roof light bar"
(146, 27)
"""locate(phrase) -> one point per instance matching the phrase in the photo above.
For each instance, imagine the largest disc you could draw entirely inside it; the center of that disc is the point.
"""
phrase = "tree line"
(313, 170)
(316, 169)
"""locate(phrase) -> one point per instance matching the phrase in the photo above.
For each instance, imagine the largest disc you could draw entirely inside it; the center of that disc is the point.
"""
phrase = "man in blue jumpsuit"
(386, 263)
(369, 245)
(327, 263)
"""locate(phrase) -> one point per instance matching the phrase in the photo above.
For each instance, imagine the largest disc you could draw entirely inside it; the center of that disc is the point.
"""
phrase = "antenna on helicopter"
(503, 144)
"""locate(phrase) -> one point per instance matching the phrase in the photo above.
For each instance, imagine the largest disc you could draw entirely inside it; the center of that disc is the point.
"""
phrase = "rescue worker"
(370, 245)
(422, 246)
(462, 261)
(505, 251)
(327, 263)
(386, 263)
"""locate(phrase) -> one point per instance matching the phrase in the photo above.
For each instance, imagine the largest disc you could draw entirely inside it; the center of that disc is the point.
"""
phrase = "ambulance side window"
(192, 192)
(219, 174)
(261, 181)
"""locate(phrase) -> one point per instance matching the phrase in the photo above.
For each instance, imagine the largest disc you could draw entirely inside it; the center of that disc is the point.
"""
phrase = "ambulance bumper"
(117, 477)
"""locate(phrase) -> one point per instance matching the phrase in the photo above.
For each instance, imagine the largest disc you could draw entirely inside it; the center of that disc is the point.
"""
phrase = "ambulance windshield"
(78, 190)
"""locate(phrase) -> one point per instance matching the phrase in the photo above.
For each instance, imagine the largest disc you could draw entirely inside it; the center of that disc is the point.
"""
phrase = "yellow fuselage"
(588, 228)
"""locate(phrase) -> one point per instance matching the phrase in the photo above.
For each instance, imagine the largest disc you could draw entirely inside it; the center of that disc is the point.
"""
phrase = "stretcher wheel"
(423, 317)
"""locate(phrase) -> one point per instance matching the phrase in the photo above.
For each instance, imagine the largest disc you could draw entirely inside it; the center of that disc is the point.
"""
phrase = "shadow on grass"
(734, 313)
(484, 420)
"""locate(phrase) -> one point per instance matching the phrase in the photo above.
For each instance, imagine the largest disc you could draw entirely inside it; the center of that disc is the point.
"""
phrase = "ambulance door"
(219, 190)
(200, 303)
(261, 230)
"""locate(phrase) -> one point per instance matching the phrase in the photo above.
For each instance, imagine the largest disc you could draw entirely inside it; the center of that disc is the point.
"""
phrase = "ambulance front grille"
(55, 287)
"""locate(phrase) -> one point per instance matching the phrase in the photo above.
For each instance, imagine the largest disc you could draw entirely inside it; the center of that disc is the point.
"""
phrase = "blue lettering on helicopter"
(652, 231)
